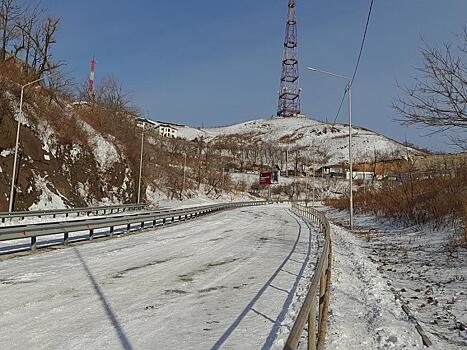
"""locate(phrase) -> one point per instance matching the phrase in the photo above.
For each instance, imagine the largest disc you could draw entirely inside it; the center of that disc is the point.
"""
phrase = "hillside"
(65, 158)
(79, 153)
(300, 133)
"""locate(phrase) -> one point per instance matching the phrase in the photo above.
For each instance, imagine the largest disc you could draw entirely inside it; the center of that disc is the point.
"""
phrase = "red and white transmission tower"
(91, 79)
(289, 93)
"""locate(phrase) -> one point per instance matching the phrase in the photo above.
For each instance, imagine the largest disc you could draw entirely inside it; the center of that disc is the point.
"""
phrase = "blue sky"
(218, 62)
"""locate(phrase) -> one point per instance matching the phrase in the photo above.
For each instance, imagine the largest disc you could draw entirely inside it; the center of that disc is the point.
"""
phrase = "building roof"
(166, 126)
(170, 124)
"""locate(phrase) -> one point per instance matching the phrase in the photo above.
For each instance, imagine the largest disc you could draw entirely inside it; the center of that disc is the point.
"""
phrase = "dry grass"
(431, 197)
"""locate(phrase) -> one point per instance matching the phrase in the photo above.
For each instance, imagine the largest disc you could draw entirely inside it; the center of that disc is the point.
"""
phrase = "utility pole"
(141, 162)
(223, 176)
(313, 173)
(184, 174)
(13, 176)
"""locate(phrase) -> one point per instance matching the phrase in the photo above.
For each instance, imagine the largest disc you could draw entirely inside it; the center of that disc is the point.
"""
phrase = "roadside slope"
(364, 313)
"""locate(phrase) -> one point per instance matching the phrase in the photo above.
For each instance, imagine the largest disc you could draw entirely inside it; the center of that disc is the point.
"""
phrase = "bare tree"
(439, 96)
(59, 86)
(110, 93)
(26, 24)
(9, 13)
(44, 40)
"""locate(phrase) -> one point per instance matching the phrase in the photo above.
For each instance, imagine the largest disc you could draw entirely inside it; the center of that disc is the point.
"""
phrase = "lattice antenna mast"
(289, 93)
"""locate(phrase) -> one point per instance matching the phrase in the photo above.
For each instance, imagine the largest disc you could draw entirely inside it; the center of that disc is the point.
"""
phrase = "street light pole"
(350, 155)
(141, 163)
(15, 162)
(349, 89)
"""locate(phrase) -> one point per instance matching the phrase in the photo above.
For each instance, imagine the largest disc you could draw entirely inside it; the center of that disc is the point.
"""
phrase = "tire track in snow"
(278, 322)
(285, 308)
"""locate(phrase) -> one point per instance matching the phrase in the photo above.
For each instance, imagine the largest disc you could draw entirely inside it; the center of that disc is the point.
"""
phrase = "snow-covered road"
(233, 280)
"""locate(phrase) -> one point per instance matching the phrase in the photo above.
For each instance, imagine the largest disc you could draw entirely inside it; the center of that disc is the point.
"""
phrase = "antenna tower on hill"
(289, 93)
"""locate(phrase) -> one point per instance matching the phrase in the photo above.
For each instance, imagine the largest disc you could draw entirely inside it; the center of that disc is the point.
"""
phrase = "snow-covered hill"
(301, 133)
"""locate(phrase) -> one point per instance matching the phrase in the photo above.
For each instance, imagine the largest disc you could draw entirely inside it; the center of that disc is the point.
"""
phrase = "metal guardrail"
(84, 210)
(91, 224)
(309, 313)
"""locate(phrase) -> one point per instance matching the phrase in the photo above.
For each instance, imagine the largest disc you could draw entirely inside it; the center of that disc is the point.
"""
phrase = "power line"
(363, 42)
(340, 106)
(358, 59)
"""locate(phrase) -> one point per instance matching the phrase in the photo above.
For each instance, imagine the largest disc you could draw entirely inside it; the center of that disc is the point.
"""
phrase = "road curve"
(232, 280)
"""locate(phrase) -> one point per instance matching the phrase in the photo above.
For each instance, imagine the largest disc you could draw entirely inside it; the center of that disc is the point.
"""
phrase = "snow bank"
(7, 152)
(47, 199)
(47, 137)
(364, 313)
(104, 151)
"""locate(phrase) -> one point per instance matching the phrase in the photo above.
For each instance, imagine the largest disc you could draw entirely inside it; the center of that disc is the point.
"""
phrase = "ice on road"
(232, 280)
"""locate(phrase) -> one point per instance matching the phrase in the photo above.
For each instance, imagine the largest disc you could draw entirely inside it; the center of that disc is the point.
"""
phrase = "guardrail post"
(33, 243)
(65, 238)
(324, 320)
(91, 234)
(111, 231)
(322, 290)
(142, 226)
(128, 228)
(312, 325)
(163, 221)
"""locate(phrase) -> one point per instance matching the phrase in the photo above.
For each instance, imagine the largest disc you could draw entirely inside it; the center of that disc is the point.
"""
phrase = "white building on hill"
(167, 130)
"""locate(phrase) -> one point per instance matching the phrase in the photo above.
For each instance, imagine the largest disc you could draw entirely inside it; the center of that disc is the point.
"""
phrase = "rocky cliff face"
(63, 159)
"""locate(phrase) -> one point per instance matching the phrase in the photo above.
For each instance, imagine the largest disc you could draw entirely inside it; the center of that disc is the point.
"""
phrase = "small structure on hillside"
(360, 175)
(333, 171)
